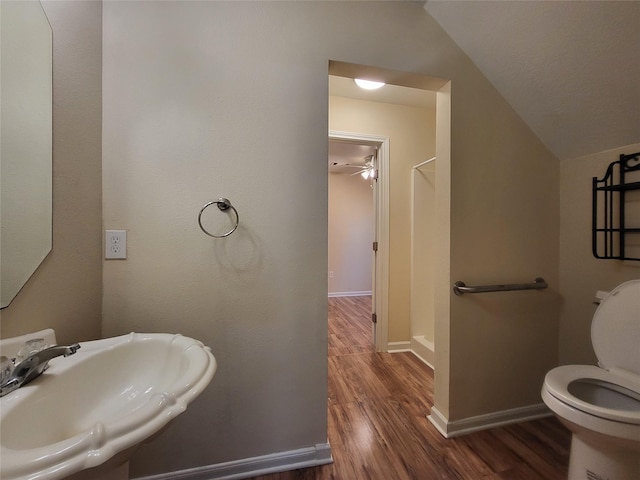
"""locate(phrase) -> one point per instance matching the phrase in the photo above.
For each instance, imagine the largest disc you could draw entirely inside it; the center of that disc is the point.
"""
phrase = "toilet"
(601, 405)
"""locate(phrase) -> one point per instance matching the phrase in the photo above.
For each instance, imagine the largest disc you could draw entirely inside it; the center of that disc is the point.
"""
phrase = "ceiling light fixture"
(368, 84)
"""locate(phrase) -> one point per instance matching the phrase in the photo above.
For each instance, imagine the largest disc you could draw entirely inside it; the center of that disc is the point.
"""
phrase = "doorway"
(407, 115)
(400, 339)
(353, 156)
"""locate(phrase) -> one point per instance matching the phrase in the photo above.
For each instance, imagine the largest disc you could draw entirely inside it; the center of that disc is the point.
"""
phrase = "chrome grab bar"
(460, 288)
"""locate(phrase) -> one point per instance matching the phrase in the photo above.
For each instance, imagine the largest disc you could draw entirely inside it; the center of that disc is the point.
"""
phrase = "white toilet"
(601, 405)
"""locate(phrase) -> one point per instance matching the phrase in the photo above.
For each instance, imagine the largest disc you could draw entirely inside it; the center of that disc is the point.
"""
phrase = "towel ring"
(223, 205)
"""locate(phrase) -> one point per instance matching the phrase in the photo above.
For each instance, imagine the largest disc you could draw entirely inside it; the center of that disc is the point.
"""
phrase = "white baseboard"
(439, 421)
(456, 428)
(350, 294)
(255, 466)
(396, 347)
(423, 349)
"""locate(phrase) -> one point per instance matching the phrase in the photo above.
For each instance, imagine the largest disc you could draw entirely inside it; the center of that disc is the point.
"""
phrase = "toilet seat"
(557, 383)
(615, 329)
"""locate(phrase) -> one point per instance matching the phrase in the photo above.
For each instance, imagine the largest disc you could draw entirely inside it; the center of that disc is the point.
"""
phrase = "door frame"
(380, 292)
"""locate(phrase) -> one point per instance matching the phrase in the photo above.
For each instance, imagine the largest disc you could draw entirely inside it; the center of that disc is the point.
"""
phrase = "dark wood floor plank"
(378, 428)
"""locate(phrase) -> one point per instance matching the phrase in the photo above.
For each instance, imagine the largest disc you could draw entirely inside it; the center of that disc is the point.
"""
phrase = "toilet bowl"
(601, 405)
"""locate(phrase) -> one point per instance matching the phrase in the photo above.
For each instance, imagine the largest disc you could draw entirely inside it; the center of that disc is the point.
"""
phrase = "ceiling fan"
(367, 170)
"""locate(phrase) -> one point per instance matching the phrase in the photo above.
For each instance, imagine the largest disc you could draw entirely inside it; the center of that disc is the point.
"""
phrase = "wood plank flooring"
(378, 426)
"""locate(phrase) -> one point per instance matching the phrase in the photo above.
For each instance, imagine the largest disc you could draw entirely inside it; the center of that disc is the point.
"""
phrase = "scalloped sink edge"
(108, 397)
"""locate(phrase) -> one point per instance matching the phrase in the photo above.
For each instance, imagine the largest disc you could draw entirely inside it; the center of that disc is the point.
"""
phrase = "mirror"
(25, 143)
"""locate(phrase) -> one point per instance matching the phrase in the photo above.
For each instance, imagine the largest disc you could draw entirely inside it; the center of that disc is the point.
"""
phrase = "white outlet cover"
(115, 244)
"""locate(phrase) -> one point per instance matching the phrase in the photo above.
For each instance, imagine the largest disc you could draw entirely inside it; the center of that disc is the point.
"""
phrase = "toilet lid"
(615, 330)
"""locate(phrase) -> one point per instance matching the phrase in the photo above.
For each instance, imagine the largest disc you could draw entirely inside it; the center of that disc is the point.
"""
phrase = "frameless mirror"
(25, 143)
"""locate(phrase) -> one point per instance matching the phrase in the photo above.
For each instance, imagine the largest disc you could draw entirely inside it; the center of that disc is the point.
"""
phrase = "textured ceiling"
(571, 69)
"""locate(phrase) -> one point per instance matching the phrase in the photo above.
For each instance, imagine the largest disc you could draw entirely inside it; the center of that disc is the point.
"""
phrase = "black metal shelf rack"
(613, 221)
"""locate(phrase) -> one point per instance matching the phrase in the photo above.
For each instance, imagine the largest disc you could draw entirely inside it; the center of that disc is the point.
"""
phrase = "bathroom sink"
(102, 401)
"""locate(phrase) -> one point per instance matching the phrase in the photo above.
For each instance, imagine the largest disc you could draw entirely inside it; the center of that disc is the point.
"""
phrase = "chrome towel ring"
(223, 205)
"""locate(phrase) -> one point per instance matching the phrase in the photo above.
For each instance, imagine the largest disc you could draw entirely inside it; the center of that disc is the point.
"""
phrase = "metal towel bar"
(459, 288)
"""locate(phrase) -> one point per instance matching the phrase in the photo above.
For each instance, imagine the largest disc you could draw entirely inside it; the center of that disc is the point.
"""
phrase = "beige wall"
(186, 120)
(65, 293)
(195, 96)
(504, 229)
(581, 274)
(350, 233)
(411, 132)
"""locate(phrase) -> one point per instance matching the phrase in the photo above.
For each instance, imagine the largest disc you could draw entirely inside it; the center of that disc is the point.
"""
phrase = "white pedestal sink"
(91, 409)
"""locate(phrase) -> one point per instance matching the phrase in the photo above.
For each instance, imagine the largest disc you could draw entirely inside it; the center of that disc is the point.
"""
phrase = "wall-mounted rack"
(616, 210)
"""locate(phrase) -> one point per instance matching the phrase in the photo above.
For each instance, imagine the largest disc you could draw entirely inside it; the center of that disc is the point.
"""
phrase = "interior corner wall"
(351, 234)
(195, 94)
(442, 274)
(65, 292)
(504, 229)
(581, 274)
(411, 132)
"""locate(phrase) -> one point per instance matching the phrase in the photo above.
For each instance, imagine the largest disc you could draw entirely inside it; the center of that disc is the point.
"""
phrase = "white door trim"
(381, 294)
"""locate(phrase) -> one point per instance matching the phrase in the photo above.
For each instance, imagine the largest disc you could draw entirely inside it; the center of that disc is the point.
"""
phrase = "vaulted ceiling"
(571, 69)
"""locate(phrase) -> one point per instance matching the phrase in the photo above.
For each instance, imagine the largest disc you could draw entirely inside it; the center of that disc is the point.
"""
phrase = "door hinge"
(374, 318)
(375, 246)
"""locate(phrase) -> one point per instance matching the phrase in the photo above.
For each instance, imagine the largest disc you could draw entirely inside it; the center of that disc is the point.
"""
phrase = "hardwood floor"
(378, 426)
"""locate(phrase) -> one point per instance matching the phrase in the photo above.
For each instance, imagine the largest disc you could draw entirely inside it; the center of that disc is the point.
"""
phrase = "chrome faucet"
(32, 366)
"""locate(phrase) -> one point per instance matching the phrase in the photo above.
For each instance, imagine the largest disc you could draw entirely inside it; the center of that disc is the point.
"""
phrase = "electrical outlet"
(330, 273)
(115, 244)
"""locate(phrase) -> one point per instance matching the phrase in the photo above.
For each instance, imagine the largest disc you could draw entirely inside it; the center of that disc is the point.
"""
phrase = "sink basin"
(103, 400)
